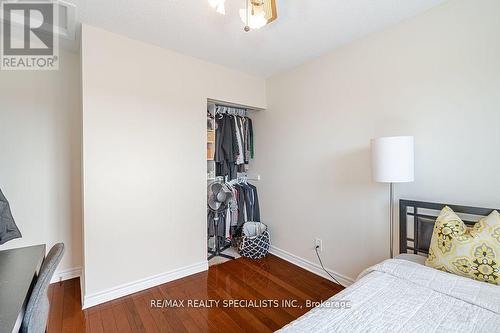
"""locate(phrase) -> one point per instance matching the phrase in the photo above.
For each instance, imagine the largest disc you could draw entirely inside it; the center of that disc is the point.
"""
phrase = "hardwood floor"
(242, 279)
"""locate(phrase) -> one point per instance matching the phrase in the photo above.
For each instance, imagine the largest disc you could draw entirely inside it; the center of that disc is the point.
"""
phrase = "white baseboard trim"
(136, 286)
(66, 274)
(310, 266)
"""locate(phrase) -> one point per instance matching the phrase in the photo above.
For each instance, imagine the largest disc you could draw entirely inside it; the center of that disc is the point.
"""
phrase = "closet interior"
(232, 196)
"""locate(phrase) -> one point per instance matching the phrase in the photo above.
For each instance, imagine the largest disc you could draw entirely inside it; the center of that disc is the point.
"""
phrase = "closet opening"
(232, 195)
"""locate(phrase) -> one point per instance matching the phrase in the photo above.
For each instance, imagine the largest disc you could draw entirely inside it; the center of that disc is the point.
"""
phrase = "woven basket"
(255, 247)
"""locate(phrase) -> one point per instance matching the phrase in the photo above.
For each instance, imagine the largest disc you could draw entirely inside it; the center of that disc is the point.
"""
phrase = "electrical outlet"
(318, 243)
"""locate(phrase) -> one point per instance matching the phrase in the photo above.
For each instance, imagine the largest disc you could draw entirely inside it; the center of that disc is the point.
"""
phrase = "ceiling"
(304, 29)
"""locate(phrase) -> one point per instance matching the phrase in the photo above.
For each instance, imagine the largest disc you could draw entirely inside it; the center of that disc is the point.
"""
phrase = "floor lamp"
(392, 162)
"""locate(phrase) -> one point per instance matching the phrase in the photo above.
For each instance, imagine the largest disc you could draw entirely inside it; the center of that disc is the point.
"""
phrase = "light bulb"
(218, 5)
(256, 20)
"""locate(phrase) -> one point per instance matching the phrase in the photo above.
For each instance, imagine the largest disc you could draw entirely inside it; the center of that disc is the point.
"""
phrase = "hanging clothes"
(224, 147)
(234, 145)
(247, 204)
(255, 207)
(250, 137)
(234, 148)
(239, 141)
(242, 207)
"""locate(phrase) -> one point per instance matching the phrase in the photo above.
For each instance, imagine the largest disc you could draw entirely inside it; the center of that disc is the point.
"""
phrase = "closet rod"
(220, 109)
(254, 178)
(233, 105)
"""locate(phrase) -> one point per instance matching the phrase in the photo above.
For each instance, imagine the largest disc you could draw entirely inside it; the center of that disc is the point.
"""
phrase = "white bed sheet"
(403, 296)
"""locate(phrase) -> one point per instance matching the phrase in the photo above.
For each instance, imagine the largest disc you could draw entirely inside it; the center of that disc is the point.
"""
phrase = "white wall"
(144, 151)
(436, 76)
(40, 166)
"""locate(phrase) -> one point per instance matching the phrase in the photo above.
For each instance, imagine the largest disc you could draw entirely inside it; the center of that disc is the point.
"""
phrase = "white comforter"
(402, 296)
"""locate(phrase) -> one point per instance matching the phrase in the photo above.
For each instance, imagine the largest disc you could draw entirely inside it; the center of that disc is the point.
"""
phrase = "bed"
(403, 295)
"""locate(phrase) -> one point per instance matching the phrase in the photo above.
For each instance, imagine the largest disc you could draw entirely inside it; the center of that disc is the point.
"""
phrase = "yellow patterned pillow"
(472, 252)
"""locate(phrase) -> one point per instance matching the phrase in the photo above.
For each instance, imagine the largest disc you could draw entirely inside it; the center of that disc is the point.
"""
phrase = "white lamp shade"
(393, 159)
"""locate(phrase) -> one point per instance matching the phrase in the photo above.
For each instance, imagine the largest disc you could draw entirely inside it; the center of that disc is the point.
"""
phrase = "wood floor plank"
(108, 320)
(250, 320)
(80, 319)
(56, 307)
(242, 289)
(241, 280)
(181, 313)
(157, 315)
(95, 323)
(296, 292)
(121, 320)
(169, 314)
(143, 310)
(300, 277)
(133, 316)
(71, 321)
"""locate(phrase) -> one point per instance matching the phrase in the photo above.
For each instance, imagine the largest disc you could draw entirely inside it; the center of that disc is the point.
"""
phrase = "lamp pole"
(391, 220)
(392, 162)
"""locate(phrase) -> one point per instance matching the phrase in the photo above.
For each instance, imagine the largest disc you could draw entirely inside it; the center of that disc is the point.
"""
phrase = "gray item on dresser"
(37, 310)
(8, 228)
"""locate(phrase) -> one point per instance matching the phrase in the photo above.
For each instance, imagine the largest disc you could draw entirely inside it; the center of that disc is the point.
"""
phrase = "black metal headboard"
(419, 217)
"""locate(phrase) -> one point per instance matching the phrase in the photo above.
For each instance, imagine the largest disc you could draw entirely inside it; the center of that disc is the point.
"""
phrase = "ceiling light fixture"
(218, 5)
(255, 15)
